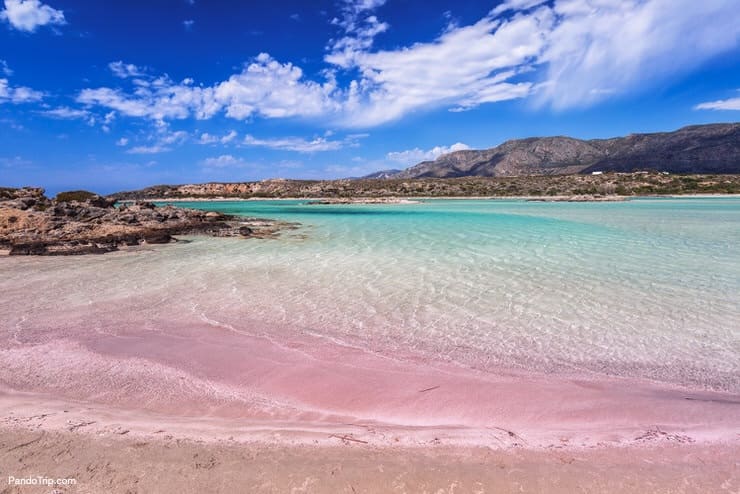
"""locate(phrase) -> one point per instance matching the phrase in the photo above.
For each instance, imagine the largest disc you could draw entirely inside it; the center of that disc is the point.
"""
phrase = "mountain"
(713, 148)
(383, 174)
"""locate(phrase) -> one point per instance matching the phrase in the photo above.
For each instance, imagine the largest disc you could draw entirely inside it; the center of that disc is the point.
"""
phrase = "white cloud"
(359, 38)
(5, 69)
(274, 90)
(188, 24)
(599, 49)
(560, 53)
(516, 5)
(265, 87)
(27, 15)
(154, 149)
(416, 155)
(353, 12)
(722, 104)
(224, 161)
(22, 94)
(64, 112)
(125, 70)
(18, 94)
(158, 100)
(228, 137)
(163, 140)
(464, 67)
(177, 137)
(123, 141)
(206, 138)
(295, 144)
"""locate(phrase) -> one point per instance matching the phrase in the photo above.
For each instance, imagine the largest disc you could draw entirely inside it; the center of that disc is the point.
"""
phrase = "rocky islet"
(32, 224)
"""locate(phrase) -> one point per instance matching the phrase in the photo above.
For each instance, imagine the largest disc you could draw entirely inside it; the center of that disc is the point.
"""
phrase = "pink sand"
(201, 374)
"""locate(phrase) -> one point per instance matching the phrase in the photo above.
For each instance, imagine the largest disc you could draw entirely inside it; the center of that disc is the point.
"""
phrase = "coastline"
(422, 198)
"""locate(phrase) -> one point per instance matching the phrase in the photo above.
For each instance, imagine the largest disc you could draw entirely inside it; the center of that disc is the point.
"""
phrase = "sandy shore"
(148, 411)
(120, 463)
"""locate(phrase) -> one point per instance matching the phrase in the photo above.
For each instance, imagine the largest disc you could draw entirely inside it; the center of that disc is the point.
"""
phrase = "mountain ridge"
(709, 148)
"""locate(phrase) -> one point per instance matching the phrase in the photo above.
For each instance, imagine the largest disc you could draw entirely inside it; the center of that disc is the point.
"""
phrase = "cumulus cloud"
(18, 94)
(722, 104)
(265, 87)
(206, 138)
(224, 161)
(158, 100)
(188, 24)
(123, 141)
(28, 15)
(416, 155)
(274, 90)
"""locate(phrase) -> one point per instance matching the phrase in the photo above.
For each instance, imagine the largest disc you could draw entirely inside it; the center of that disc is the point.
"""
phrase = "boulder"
(214, 216)
(156, 237)
(28, 249)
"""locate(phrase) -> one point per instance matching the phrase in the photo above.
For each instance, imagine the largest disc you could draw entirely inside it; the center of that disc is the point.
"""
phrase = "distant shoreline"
(416, 198)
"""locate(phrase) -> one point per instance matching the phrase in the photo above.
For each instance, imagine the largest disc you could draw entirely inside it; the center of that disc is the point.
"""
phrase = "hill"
(713, 148)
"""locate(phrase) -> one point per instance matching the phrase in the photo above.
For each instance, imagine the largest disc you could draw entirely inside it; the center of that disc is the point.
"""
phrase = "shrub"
(7, 193)
(75, 195)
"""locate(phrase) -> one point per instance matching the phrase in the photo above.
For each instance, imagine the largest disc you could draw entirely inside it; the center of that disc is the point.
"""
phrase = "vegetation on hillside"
(75, 195)
(624, 184)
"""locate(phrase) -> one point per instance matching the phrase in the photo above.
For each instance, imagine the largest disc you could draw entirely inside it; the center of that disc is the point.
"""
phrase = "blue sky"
(119, 95)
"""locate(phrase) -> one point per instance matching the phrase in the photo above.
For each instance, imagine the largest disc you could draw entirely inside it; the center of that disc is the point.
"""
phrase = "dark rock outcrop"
(31, 224)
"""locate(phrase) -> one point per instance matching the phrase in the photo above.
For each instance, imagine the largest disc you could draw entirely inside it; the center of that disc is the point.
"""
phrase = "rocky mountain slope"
(711, 148)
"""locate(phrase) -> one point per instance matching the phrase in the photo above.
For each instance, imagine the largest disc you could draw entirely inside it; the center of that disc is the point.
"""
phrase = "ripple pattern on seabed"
(646, 288)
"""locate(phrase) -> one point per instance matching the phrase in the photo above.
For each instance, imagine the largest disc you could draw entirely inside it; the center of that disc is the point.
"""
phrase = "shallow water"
(648, 288)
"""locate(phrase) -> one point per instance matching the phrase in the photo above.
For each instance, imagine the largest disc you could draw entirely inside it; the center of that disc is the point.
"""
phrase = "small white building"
(597, 173)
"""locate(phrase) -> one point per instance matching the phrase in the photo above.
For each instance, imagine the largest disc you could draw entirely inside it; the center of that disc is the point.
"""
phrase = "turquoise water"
(648, 288)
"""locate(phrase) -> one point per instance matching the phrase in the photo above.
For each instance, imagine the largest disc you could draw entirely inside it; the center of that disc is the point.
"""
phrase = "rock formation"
(32, 224)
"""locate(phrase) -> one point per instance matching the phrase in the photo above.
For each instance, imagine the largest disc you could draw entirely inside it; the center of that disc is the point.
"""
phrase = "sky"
(118, 95)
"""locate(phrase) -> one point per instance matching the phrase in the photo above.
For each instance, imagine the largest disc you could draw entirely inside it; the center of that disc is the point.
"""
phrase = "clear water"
(647, 288)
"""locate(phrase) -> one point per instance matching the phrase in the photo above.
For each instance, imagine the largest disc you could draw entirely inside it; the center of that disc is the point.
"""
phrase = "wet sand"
(203, 410)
